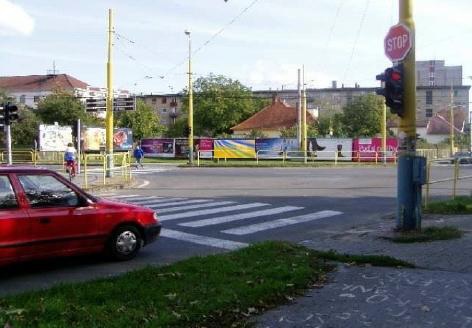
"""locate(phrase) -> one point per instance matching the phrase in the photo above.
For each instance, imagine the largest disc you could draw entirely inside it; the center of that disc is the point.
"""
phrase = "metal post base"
(409, 195)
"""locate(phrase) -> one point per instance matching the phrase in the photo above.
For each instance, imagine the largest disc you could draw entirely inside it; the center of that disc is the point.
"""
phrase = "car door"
(62, 220)
(15, 229)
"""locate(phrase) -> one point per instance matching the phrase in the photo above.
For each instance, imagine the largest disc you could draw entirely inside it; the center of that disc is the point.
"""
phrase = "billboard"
(158, 147)
(235, 148)
(205, 146)
(330, 148)
(275, 147)
(365, 149)
(122, 139)
(54, 137)
(181, 148)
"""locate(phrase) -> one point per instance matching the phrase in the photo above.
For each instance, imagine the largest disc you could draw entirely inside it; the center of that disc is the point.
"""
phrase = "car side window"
(7, 195)
(47, 191)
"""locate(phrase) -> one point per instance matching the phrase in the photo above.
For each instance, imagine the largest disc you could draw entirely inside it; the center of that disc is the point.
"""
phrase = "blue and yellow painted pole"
(409, 192)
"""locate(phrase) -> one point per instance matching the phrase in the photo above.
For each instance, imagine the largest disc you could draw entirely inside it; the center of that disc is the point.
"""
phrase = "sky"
(261, 43)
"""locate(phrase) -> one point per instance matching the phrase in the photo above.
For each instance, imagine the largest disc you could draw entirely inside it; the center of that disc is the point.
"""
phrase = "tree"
(289, 132)
(219, 104)
(363, 116)
(256, 134)
(177, 130)
(26, 129)
(143, 121)
(65, 109)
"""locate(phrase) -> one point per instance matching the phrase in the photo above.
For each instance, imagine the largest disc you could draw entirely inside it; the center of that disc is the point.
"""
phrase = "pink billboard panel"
(368, 149)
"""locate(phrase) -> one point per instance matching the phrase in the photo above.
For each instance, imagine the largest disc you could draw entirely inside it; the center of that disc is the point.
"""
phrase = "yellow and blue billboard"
(235, 148)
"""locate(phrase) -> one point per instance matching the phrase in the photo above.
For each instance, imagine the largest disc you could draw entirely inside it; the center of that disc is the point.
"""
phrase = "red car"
(44, 215)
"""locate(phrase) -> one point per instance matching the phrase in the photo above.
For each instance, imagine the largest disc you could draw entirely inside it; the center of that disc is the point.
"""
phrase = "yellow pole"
(109, 112)
(190, 100)
(451, 120)
(408, 202)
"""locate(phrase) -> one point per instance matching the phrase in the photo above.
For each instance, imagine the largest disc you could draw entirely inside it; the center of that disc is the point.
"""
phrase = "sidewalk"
(436, 294)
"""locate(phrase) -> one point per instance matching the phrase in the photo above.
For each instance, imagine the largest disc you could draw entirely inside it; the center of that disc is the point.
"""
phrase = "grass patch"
(428, 234)
(375, 260)
(459, 205)
(214, 291)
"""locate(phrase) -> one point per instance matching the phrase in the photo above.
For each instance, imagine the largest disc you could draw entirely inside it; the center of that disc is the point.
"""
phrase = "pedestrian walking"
(138, 155)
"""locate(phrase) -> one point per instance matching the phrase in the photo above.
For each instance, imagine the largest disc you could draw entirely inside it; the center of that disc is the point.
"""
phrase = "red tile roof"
(440, 122)
(278, 115)
(32, 83)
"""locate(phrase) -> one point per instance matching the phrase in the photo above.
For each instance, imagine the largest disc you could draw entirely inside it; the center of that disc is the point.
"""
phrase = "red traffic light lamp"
(393, 89)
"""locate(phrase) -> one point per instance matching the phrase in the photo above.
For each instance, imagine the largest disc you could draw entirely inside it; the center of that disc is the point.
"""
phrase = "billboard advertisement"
(54, 137)
(235, 148)
(158, 147)
(330, 148)
(181, 148)
(365, 149)
(205, 146)
(122, 139)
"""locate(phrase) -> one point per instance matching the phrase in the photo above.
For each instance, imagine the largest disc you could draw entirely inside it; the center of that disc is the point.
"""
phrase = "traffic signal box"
(393, 88)
(9, 114)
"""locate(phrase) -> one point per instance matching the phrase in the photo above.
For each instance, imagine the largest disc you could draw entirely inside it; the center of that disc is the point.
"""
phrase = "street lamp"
(190, 100)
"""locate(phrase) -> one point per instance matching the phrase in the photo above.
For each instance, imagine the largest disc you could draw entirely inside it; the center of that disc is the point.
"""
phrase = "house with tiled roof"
(30, 89)
(439, 126)
(271, 120)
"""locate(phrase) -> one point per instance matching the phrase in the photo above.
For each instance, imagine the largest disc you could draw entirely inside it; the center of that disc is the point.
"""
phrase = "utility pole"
(384, 132)
(190, 101)
(409, 192)
(304, 132)
(451, 119)
(109, 103)
(299, 113)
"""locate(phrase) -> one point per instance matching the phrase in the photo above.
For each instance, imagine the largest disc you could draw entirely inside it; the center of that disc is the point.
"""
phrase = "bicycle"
(71, 169)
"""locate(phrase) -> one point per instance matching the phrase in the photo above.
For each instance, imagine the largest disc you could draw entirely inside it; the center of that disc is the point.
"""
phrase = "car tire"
(124, 243)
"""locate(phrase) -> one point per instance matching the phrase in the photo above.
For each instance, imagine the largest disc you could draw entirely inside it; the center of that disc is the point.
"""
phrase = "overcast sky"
(258, 42)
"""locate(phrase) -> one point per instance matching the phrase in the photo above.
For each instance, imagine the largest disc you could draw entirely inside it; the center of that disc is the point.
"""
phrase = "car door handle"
(44, 220)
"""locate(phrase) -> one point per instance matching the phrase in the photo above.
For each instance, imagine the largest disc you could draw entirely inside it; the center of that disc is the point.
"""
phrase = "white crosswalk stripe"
(210, 211)
(242, 216)
(202, 240)
(158, 200)
(138, 199)
(280, 223)
(190, 207)
(123, 196)
(184, 202)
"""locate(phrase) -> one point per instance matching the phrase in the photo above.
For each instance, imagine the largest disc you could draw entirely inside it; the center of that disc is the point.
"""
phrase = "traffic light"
(186, 131)
(10, 113)
(393, 89)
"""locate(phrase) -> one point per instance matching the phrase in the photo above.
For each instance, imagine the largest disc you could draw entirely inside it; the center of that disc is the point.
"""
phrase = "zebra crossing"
(200, 213)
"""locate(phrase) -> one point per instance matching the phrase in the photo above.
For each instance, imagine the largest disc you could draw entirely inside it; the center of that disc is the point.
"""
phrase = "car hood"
(122, 205)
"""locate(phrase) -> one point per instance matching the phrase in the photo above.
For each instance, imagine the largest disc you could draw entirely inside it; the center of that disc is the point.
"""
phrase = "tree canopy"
(220, 103)
(362, 116)
(65, 109)
(143, 121)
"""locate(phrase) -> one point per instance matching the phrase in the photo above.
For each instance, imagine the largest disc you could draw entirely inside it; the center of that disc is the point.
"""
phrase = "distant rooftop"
(35, 83)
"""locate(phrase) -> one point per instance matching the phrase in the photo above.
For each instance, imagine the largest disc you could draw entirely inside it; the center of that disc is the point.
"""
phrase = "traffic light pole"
(8, 143)
(408, 192)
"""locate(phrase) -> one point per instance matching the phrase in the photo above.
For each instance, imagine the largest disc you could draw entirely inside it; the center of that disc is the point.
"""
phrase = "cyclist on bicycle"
(69, 158)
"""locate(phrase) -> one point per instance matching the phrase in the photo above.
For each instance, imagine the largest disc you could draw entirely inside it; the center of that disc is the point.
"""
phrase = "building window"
(36, 99)
(164, 100)
(429, 112)
(22, 99)
(429, 97)
(456, 93)
(164, 110)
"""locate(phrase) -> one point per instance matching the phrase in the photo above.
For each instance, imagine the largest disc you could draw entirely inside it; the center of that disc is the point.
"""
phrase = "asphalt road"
(210, 210)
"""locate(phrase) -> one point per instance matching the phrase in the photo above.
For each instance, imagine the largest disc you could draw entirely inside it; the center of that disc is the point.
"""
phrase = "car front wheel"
(125, 243)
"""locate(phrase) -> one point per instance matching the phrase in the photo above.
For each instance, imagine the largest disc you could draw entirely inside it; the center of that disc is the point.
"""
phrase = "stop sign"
(398, 42)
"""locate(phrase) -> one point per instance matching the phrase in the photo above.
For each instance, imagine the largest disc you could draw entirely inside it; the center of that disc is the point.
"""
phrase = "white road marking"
(142, 185)
(190, 207)
(126, 196)
(184, 202)
(210, 211)
(160, 201)
(203, 240)
(136, 199)
(240, 216)
(245, 230)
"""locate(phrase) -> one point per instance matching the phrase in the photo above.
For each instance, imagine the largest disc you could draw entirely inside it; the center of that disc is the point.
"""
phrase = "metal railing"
(454, 179)
(122, 167)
